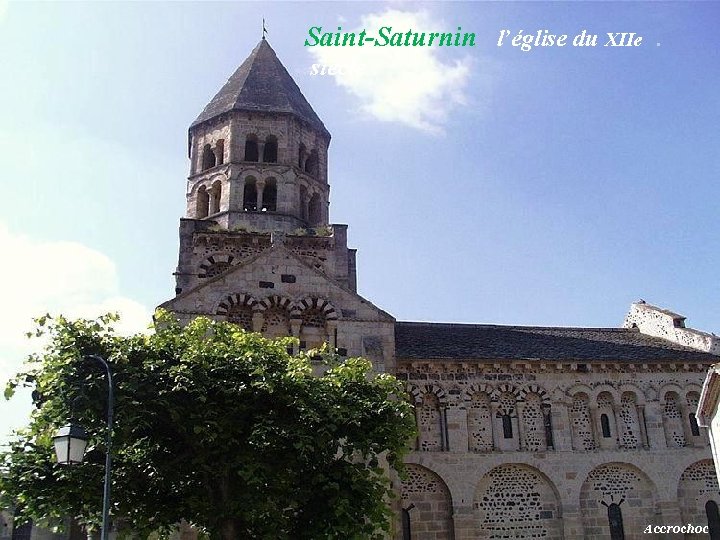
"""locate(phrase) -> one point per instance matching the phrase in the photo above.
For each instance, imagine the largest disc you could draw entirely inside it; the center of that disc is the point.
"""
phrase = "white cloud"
(57, 277)
(410, 85)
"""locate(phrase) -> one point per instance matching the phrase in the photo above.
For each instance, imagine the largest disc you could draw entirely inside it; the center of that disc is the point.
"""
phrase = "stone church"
(524, 432)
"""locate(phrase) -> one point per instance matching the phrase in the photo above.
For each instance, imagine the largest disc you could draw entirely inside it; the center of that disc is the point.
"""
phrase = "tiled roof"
(261, 84)
(418, 340)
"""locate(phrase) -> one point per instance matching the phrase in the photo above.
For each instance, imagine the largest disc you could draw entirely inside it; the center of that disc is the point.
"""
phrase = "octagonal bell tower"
(258, 153)
(259, 178)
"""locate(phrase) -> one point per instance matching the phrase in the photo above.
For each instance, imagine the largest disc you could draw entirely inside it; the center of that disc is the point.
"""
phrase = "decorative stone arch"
(639, 394)
(428, 502)
(534, 389)
(577, 388)
(415, 393)
(620, 484)
(315, 322)
(599, 389)
(696, 487)
(692, 387)
(215, 264)
(432, 388)
(507, 388)
(277, 313)
(317, 304)
(478, 388)
(238, 308)
(670, 387)
(515, 500)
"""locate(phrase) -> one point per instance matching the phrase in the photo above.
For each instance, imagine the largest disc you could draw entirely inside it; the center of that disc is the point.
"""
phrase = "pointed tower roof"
(261, 84)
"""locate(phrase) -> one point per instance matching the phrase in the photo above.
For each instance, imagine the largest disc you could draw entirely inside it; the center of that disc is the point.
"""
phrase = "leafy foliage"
(214, 425)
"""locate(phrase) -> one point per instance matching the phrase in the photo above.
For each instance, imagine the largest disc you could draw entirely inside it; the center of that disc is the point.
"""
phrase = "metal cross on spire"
(264, 30)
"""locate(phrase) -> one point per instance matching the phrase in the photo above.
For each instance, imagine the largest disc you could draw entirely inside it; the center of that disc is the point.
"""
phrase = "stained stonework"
(427, 501)
(517, 502)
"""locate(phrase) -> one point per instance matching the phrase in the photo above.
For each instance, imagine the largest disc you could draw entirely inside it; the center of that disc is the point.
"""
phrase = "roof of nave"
(421, 340)
(261, 84)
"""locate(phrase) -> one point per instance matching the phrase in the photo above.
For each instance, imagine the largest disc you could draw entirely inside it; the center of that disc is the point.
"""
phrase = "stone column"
(547, 421)
(643, 429)
(493, 425)
(260, 187)
(616, 415)
(261, 151)
(594, 419)
(685, 417)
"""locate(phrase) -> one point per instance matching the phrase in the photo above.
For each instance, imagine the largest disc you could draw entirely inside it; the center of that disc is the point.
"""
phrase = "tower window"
(311, 164)
(507, 426)
(302, 154)
(303, 203)
(314, 210)
(270, 150)
(202, 203)
(251, 148)
(605, 425)
(270, 195)
(220, 152)
(208, 158)
(250, 195)
(215, 195)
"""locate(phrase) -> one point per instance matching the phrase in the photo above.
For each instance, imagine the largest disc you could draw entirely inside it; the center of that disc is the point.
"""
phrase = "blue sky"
(483, 184)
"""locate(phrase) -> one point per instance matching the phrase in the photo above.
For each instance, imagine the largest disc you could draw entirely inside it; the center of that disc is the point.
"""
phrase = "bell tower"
(258, 153)
(259, 178)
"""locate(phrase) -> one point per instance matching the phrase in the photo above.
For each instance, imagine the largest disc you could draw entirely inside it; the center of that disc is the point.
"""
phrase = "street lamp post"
(70, 443)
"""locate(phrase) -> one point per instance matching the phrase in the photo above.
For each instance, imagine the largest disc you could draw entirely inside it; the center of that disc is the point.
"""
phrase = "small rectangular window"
(267, 285)
(288, 278)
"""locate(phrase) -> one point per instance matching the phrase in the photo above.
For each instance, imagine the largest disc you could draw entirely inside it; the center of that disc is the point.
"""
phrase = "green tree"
(214, 425)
